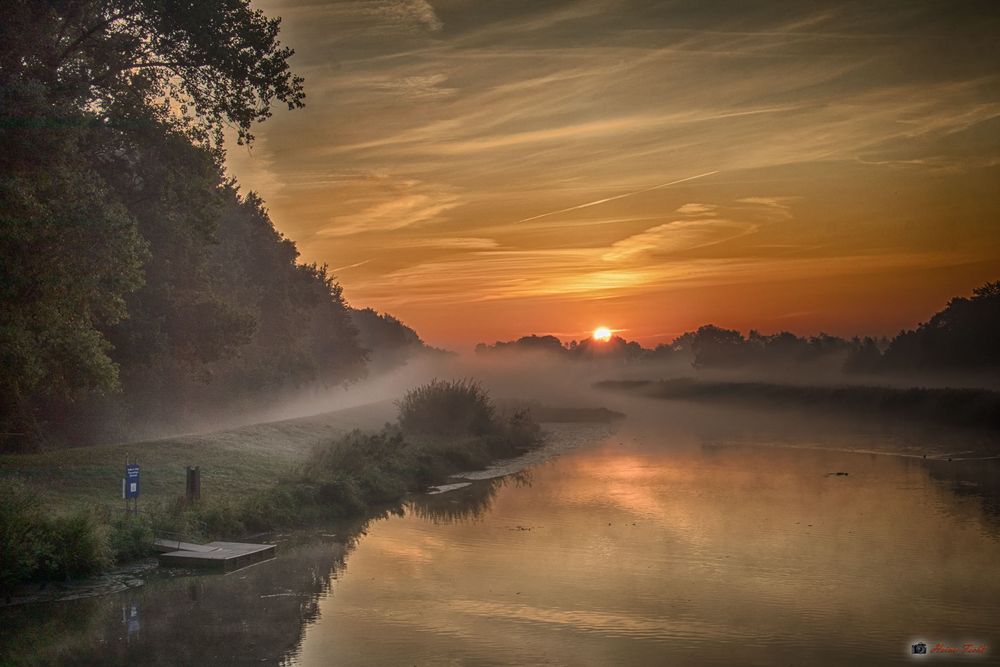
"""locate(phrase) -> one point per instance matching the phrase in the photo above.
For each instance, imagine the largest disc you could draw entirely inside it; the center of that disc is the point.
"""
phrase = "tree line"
(138, 284)
(962, 337)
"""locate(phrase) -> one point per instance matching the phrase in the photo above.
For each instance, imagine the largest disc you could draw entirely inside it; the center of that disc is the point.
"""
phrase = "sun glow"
(602, 334)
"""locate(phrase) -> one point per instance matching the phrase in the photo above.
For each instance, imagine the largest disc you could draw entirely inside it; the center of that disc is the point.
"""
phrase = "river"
(681, 536)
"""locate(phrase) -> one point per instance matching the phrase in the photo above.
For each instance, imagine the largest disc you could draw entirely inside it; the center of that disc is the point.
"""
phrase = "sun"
(602, 334)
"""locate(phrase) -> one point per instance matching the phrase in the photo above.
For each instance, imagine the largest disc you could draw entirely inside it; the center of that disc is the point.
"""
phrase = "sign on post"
(131, 482)
(130, 487)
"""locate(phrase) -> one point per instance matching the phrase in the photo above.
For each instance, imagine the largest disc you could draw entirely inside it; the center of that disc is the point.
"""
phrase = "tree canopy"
(138, 286)
(202, 64)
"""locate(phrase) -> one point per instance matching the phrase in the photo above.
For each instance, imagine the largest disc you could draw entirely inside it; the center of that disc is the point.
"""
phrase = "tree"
(204, 64)
(864, 356)
(388, 341)
(69, 254)
(962, 336)
(101, 192)
(714, 347)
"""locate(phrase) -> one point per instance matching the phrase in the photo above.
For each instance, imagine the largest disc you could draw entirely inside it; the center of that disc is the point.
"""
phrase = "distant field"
(977, 408)
(232, 462)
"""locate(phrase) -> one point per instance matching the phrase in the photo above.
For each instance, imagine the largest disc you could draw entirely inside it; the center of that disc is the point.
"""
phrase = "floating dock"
(221, 556)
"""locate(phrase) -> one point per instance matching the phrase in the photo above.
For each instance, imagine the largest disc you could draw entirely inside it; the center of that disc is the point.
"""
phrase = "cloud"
(572, 274)
(605, 200)
(371, 17)
(676, 236)
(422, 142)
(409, 11)
(696, 209)
(450, 243)
(403, 211)
(777, 206)
(417, 87)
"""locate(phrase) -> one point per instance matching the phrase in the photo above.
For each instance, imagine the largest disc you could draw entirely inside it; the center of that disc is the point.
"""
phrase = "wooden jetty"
(222, 556)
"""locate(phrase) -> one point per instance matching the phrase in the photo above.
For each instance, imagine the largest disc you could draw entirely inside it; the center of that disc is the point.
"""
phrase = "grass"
(233, 463)
(254, 479)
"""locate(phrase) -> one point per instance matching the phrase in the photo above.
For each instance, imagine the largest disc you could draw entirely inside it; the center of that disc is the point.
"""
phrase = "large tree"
(99, 100)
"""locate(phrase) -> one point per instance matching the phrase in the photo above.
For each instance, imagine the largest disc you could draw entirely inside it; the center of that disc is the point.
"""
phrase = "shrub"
(21, 533)
(447, 407)
(77, 546)
(130, 537)
(520, 431)
(363, 468)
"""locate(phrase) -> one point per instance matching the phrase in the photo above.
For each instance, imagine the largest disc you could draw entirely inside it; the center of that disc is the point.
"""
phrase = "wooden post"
(192, 490)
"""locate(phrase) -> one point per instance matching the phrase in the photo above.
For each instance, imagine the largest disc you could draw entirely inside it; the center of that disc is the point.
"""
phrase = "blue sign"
(130, 485)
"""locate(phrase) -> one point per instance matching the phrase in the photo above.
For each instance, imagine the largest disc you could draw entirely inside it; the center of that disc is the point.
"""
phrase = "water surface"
(709, 541)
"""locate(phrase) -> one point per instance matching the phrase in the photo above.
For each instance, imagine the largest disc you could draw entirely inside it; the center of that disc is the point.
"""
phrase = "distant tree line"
(616, 349)
(963, 337)
(137, 284)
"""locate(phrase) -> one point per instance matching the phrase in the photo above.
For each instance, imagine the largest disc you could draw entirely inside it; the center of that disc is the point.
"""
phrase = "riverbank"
(232, 461)
(962, 407)
(62, 513)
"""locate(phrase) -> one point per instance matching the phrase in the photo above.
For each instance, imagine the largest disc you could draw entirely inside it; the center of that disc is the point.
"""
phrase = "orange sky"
(488, 170)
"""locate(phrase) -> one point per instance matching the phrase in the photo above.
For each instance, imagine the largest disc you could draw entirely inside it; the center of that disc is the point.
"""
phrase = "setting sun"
(602, 334)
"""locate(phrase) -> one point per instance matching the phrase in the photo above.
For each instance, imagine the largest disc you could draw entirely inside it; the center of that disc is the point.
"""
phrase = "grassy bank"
(232, 461)
(60, 516)
(977, 408)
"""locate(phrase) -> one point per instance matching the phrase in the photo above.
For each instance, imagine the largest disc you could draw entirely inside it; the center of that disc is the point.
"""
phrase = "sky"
(489, 169)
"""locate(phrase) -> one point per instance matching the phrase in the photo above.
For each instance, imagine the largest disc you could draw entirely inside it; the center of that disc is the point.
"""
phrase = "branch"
(75, 44)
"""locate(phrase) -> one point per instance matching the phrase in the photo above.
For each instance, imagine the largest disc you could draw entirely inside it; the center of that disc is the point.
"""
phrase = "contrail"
(627, 194)
(350, 266)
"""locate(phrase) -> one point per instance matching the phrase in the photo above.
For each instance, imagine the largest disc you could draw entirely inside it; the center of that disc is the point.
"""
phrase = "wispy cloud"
(694, 208)
(573, 275)
(448, 243)
(491, 151)
(605, 200)
(778, 206)
(405, 210)
(676, 236)
(416, 87)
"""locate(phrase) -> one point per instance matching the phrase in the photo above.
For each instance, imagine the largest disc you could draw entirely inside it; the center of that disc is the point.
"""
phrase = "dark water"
(670, 541)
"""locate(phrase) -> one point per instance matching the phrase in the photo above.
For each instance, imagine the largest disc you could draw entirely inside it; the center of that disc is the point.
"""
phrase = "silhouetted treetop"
(203, 64)
(963, 335)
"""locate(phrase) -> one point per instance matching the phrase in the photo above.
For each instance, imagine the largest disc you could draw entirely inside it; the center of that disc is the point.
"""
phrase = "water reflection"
(666, 543)
(255, 615)
(975, 481)
(656, 548)
(470, 503)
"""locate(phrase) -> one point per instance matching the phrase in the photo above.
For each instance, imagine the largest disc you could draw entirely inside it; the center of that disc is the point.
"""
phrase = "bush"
(130, 537)
(36, 546)
(363, 468)
(518, 433)
(21, 534)
(455, 407)
(77, 546)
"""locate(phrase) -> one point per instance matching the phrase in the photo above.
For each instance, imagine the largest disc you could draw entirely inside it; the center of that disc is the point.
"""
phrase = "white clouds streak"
(597, 202)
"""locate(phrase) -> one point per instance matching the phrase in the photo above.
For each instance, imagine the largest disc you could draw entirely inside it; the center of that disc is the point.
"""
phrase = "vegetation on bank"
(443, 428)
(976, 408)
